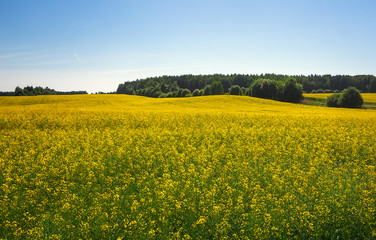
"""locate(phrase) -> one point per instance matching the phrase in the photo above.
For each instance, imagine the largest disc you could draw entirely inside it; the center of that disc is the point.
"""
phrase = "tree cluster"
(70, 92)
(6, 93)
(172, 86)
(337, 83)
(34, 91)
(349, 98)
(289, 91)
(285, 89)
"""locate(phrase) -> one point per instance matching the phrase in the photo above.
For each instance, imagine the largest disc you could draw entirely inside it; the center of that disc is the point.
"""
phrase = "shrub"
(207, 90)
(292, 91)
(332, 100)
(196, 92)
(280, 87)
(236, 90)
(180, 92)
(264, 88)
(319, 91)
(175, 94)
(164, 88)
(170, 94)
(350, 98)
(188, 95)
(248, 91)
(185, 91)
(244, 90)
(156, 94)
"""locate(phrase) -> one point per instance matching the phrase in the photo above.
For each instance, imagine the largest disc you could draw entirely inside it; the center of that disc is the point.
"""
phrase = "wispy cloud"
(14, 55)
(77, 57)
(44, 58)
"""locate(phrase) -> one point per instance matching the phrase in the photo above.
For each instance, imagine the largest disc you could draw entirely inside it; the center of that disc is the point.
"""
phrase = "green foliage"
(332, 100)
(207, 90)
(196, 92)
(7, 93)
(174, 87)
(216, 88)
(33, 91)
(372, 86)
(311, 83)
(247, 92)
(19, 92)
(188, 95)
(236, 90)
(157, 93)
(185, 92)
(244, 90)
(264, 88)
(280, 87)
(171, 94)
(292, 91)
(164, 88)
(350, 98)
(125, 89)
(180, 92)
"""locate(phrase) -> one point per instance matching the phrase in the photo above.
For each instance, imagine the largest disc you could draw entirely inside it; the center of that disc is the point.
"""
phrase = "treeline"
(34, 91)
(169, 85)
(70, 92)
(288, 91)
(6, 93)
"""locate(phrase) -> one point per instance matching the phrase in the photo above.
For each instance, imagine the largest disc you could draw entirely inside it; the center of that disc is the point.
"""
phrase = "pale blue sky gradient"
(95, 45)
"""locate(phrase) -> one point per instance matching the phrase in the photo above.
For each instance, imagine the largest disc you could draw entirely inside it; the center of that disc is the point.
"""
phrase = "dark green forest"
(195, 85)
(34, 91)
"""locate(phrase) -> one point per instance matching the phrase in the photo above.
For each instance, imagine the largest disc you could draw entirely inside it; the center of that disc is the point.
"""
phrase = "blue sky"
(95, 45)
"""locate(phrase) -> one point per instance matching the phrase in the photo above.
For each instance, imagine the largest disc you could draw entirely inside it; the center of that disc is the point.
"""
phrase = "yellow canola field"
(215, 167)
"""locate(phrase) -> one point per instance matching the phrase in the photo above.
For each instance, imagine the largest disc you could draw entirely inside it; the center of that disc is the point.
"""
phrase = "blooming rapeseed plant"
(130, 167)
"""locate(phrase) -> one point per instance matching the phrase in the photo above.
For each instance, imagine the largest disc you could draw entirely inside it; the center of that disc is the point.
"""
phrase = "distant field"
(367, 97)
(214, 167)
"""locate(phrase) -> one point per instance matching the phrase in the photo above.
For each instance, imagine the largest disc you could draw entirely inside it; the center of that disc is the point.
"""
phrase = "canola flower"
(216, 167)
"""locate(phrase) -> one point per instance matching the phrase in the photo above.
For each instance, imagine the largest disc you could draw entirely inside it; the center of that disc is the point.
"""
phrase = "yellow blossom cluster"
(214, 167)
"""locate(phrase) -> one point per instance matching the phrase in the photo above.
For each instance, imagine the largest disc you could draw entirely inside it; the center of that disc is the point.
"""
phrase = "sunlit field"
(214, 167)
